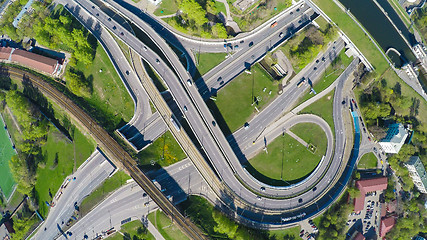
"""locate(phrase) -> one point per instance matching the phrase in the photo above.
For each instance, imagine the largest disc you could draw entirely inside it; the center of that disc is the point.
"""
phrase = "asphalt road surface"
(130, 201)
(88, 177)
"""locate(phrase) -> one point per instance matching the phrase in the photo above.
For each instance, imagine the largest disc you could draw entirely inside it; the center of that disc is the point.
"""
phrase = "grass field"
(287, 162)
(162, 152)
(368, 161)
(109, 185)
(109, 93)
(289, 233)
(330, 74)
(312, 134)
(166, 7)
(168, 229)
(6, 153)
(235, 101)
(207, 61)
(220, 7)
(60, 156)
(323, 108)
(355, 33)
(131, 229)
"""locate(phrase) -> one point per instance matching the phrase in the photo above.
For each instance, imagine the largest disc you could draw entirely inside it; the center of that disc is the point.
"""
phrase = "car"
(146, 204)
(302, 232)
(157, 61)
(315, 68)
(242, 41)
(251, 44)
(297, 10)
(109, 19)
(323, 59)
(375, 150)
(236, 46)
(300, 21)
(127, 72)
(364, 129)
(300, 200)
(317, 61)
(219, 79)
(280, 34)
(246, 125)
(369, 138)
(214, 123)
(259, 198)
(144, 194)
(291, 13)
(114, 27)
(145, 48)
(221, 83)
(185, 109)
(263, 189)
(93, 7)
(97, 14)
(122, 33)
(225, 45)
(189, 83)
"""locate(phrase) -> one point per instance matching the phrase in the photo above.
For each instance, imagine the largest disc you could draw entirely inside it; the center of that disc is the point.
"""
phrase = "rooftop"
(419, 167)
(35, 61)
(368, 185)
(386, 225)
(396, 133)
(5, 53)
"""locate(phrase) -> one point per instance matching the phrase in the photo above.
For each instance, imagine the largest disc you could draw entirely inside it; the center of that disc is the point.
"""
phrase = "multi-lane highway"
(88, 176)
(130, 201)
(203, 124)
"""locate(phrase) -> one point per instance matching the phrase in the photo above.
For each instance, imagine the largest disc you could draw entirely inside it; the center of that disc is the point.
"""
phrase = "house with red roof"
(359, 236)
(386, 225)
(366, 186)
(29, 59)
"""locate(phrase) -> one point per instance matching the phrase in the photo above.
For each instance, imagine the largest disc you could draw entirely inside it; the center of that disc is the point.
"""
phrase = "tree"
(194, 11)
(78, 84)
(375, 110)
(354, 192)
(22, 175)
(219, 31)
(224, 224)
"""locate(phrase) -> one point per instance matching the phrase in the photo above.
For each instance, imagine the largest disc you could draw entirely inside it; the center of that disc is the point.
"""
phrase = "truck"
(301, 82)
(273, 24)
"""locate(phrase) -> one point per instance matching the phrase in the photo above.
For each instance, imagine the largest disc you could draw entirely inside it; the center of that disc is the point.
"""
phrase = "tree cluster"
(332, 224)
(58, 32)
(194, 20)
(78, 84)
(34, 130)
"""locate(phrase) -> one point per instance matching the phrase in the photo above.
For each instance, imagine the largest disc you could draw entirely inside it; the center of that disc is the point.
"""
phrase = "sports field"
(6, 152)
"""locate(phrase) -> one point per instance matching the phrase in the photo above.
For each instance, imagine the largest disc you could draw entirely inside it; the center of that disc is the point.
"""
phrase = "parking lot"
(369, 218)
(308, 230)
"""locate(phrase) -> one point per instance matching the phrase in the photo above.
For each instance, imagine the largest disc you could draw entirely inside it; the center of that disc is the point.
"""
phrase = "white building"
(396, 136)
(418, 173)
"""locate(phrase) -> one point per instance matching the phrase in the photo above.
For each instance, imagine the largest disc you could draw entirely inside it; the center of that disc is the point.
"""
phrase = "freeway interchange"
(237, 193)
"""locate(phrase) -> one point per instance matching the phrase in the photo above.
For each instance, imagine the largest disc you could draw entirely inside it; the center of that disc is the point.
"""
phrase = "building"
(359, 236)
(418, 173)
(418, 238)
(395, 138)
(367, 186)
(386, 225)
(31, 60)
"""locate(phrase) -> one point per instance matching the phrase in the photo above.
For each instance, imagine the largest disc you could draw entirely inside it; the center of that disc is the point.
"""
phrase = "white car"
(189, 83)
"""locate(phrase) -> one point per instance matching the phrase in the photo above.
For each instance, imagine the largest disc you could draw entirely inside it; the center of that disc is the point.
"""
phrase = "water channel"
(380, 28)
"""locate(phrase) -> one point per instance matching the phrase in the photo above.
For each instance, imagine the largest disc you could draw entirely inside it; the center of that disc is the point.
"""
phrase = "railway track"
(109, 145)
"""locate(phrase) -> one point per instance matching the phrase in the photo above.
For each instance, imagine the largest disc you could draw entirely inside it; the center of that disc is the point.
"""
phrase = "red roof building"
(359, 236)
(5, 53)
(35, 61)
(366, 186)
(386, 225)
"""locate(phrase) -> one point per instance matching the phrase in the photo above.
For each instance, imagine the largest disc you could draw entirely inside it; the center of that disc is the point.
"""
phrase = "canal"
(377, 24)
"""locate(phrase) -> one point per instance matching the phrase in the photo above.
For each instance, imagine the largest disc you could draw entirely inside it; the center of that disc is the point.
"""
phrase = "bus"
(175, 124)
(301, 82)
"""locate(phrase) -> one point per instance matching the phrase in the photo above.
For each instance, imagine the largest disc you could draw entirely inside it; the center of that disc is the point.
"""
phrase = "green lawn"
(168, 229)
(6, 153)
(162, 152)
(133, 230)
(323, 108)
(285, 234)
(330, 74)
(109, 93)
(50, 175)
(354, 32)
(312, 134)
(220, 7)
(286, 159)
(235, 100)
(166, 7)
(321, 21)
(206, 61)
(368, 161)
(100, 193)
